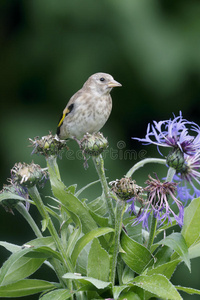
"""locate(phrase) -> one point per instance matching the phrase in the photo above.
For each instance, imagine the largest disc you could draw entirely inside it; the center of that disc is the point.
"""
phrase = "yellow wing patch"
(66, 111)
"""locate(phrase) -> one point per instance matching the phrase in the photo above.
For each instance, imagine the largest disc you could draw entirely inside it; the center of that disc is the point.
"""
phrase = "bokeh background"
(49, 48)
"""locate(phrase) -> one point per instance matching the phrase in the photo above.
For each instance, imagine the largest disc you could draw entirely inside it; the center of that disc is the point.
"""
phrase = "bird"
(88, 109)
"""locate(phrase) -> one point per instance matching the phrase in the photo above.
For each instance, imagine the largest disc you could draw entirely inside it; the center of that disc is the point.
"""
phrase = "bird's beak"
(113, 83)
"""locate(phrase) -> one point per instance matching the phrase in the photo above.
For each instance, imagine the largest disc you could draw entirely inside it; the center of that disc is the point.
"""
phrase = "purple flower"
(157, 203)
(174, 133)
(189, 175)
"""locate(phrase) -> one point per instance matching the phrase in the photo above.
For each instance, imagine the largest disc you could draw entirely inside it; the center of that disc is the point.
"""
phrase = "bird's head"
(101, 83)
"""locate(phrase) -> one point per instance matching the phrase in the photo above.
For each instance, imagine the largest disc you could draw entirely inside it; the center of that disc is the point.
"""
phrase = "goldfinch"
(88, 109)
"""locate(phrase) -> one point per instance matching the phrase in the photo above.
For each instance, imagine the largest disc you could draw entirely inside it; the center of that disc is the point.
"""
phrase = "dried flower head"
(48, 145)
(27, 174)
(125, 188)
(157, 203)
(93, 144)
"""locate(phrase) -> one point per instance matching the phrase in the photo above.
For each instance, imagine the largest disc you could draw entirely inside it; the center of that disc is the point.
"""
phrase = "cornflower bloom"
(173, 133)
(157, 203)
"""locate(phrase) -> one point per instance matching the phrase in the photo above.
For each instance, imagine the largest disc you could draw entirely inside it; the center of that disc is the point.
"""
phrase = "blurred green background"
(47, 51)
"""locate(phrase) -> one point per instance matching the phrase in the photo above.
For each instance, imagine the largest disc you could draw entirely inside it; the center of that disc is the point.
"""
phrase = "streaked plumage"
(88, 110)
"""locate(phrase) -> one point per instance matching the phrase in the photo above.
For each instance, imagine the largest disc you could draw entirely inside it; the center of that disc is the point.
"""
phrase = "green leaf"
(129, 296)
(158, 285)
(99, 284)
(59, 294)
(45, 223)
(44, 241)
(25, 287)
(166, 269)
(8, 195)
(98, 262)
(72, 188)
(71, 203)
(162, 255)
(136, 256)
(118, 289)
(134, 232)
(10, 247)
(43, 252)
(82, 260)
(191, 227)
(188, 290)
(194, 251)
(128, 275)
(84, 240)
(101, 221)
(177, 242)
(98, 206)
(18, 267)
(74, 236)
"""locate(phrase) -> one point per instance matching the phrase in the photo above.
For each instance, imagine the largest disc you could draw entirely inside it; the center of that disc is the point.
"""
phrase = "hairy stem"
(152, 231)
(52, 162)
(99, 165)
(118, 225)
(170, 174)
(35, 196)
(141, 163)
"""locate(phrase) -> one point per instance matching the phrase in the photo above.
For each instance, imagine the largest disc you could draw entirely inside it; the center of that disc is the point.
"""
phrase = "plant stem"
(170, 174)
(24, 212)
(99, 165)
(118, 225)
(152, 231)
(56, 266)
(141, 163)
(35, 196)
(59, 270)
(52, 161)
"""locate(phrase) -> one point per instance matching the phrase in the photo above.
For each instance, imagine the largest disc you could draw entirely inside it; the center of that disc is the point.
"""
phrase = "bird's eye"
(102, 79)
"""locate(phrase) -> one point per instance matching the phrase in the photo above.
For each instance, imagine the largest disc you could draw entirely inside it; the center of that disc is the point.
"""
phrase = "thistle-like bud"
(27, 175)
(125, 188)
(48, 145)
(93, 144)
(175, 159)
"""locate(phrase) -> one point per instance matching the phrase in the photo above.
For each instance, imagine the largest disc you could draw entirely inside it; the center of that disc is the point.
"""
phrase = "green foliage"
(25, 287)
(91, 258)
(98, 262)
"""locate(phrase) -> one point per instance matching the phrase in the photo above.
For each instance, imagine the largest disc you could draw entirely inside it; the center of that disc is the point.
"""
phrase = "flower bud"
(27, 175)
(125, 188)
(175, 159)
(93, 144)
(48, 145)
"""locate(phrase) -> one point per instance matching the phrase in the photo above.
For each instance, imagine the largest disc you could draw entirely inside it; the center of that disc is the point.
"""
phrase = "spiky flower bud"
(93, 144)
(125, 188)
(175, 159)
(27, 175)
(48, 145)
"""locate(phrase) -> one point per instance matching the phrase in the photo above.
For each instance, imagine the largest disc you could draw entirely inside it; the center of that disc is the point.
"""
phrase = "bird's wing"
(66, 111)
